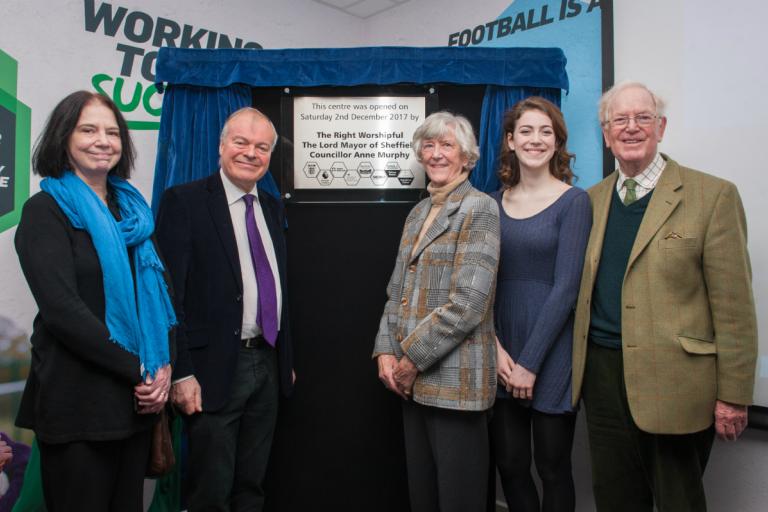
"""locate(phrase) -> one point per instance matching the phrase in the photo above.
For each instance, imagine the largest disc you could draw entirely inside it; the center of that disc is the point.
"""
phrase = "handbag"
(161, 457)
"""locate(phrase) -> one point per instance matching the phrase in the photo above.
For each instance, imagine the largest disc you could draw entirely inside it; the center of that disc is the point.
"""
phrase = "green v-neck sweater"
(620, 232)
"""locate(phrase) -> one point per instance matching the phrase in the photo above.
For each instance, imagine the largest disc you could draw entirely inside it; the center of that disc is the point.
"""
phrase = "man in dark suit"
(225, 249)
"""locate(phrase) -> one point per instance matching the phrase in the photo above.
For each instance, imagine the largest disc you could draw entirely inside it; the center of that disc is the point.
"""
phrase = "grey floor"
(735, 481)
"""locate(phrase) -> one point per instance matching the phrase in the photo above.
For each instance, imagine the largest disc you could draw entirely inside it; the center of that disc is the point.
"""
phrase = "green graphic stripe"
(143, 125)
(8, 69)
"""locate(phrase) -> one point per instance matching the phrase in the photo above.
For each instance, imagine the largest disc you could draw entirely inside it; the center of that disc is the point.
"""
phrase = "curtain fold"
(496, 101)
(188, 140)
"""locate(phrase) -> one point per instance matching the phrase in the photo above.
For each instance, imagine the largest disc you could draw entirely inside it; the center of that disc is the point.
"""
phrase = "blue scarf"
(138, 319)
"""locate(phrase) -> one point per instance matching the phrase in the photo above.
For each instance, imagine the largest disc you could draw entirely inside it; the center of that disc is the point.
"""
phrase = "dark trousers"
(446, 453)
(95, 475)
(229, 448)
(511, 430)
(632, 469)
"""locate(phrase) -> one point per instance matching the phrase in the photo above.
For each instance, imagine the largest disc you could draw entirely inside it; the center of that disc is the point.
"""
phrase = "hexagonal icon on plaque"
(325, 177)
(393, 169)
(379, 177)
(406, 177)
(365, 169)
(311, 169)
(352, 177)
(338, 169)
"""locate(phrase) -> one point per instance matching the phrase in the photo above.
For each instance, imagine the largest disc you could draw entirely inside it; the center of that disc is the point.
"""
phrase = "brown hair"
(51, 157)
(559, 166)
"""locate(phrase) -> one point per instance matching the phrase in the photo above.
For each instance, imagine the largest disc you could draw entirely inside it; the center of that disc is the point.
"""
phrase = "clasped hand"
(152, 394)
(517, 379)
(397, 376)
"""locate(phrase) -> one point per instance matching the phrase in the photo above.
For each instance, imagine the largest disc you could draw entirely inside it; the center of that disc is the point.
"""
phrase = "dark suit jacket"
(195, 233)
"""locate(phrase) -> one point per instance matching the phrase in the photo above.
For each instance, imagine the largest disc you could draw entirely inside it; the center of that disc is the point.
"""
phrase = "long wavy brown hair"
(559, 166)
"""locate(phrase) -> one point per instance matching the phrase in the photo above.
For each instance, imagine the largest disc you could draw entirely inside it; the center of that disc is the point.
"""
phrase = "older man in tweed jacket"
(436, 338)
(665, 331)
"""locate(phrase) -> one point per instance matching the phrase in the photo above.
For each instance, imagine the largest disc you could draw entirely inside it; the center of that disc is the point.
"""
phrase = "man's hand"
(520, 384)
(405, 375)
(152, 394)
(504, 364)
(387, 364)
(730, 420)
(186, 396)
(6, 454)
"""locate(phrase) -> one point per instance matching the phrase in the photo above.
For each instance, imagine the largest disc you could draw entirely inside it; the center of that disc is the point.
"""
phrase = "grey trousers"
(229, 448)
(446, 454)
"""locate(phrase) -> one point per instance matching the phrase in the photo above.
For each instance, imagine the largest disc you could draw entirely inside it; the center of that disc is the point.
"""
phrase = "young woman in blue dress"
(545, 224)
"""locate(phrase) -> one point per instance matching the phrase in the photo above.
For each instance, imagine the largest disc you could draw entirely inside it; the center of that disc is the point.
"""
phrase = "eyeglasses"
(640, 120)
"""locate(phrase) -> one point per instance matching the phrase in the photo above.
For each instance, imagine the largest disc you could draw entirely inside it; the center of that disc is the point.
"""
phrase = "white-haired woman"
(435, 347)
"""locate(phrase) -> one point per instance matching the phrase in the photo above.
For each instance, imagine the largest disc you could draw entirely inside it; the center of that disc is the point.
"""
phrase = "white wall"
(56, 56)
(707, 60)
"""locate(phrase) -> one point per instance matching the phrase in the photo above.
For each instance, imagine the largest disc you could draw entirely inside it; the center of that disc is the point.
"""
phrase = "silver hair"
(438, 124)
(608, 96)
(255, 112)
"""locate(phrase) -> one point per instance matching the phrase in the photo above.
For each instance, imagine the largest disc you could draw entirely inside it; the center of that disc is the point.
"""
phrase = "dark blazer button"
(239, 298)
(237, 332)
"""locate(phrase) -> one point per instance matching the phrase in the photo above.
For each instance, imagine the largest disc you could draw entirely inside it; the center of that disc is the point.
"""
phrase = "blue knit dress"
(538, 281)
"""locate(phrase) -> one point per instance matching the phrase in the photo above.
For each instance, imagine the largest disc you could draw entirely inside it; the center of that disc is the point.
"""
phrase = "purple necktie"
(266, 312)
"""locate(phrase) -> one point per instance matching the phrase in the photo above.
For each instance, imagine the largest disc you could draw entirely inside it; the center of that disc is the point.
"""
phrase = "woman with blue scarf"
(101, 347)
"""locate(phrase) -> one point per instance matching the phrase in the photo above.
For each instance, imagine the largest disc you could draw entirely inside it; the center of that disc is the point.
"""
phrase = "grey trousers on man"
(229, 448)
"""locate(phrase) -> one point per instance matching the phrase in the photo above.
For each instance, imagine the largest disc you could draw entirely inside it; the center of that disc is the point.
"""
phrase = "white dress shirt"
(250, 289)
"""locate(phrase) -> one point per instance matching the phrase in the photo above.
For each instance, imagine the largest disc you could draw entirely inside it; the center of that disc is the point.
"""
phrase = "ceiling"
(362, 9)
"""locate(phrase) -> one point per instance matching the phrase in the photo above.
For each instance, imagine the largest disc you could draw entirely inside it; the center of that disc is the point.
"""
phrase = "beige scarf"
(438, 195)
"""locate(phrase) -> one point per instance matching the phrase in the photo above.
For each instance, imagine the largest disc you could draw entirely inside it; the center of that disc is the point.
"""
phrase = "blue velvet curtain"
(188, 142)
(202, 87)
(496, 102)
(378, 65)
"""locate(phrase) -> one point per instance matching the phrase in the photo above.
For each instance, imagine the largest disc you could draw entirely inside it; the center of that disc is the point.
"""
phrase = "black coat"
(80, 385)
(195, 233)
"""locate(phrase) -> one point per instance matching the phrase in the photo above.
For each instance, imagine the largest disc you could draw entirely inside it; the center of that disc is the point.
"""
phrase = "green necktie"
(630, 196)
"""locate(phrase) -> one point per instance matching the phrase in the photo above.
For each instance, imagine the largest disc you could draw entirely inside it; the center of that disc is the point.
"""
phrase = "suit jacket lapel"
(665, 199)
(222, 221)
(442, 221)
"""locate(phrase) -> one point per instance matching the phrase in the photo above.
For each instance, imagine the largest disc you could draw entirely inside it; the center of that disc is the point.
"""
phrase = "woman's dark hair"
(559, 166)
(51, 157)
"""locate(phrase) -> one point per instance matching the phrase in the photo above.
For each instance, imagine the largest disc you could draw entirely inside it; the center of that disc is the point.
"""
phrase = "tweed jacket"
(688, 326)
(439, 309)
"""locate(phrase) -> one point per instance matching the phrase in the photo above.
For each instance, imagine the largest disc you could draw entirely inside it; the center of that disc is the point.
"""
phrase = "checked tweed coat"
(688, 325)
(440, 301)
